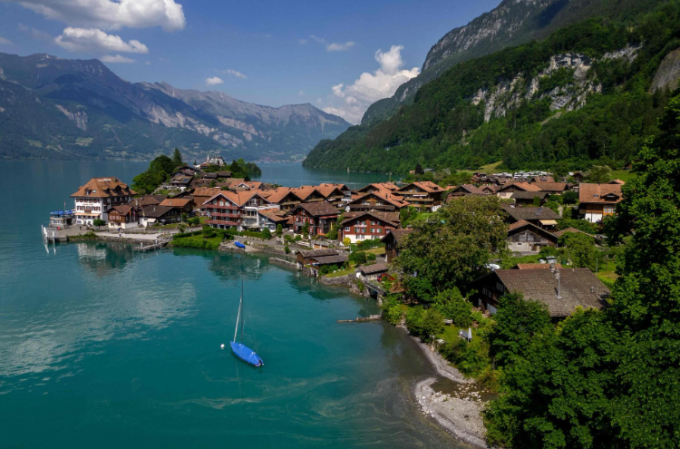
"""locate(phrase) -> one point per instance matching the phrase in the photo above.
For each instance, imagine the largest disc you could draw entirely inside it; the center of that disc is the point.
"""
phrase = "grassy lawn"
(197, 241)
(376, 251)
(339, 273)
(491, 168)
(623, 175)
(422, 216)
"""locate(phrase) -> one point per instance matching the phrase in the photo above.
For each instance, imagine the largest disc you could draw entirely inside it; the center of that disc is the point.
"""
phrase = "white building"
(98, 196)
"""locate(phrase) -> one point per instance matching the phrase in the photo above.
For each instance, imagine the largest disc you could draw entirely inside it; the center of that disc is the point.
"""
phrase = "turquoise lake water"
(101, 347)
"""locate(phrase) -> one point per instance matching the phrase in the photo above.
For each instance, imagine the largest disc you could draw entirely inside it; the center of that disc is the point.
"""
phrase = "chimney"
(559, 285)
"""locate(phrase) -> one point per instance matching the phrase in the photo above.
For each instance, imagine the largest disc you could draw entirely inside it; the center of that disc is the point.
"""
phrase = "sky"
(339, 56)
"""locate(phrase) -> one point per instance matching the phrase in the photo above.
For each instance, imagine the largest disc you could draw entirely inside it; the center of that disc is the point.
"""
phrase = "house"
(271, 218)
(213, 161)
(422, 194)
(239, 210)
(308, 194)
(245, 185)
(561, 290)
(579, 177)
(358, 226)
(507, 190)
(464, 190)
(185, 205)
(122, 217)
(346, 191)
(332, 194)
(525, 238)
(319, 257)
(203, 194)
(553, 188)
(377, 186)
(94, 199)
(542, 178)
(284, 197)
(527, 198)
(377, 200)
(320, 217)
(392, 241)
(186, 170)
(542, 217)
(152, 215)
(371, 272)
(147, 200)
(598, 201)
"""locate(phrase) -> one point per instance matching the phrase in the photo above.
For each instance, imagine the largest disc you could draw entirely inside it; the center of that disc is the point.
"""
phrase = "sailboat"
(242, 351)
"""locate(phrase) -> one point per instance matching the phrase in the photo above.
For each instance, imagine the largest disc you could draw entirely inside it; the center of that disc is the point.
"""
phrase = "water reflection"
(104, 258)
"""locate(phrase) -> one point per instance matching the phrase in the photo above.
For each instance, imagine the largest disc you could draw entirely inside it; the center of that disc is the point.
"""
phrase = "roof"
(389, 186)
(305, 192)
(551, 186)
(238, 198)
(181, 179)
(595, 193)
(317, 253)
(155, 211)
(531, 213)
(176, 202)
(398, 234)
(427, 186)
(389, 217)
(536, 266)
(103, 188)
(327, 189)
(385, 195)
(277, 195)
(579, 287)
(276, 215)
(469, 188)
(528, 195)
(122, 209)
(525, 186)
(206, 191)
(543, 178)
(330, 260)
(319, 208)
(374, 269)
(521, 224)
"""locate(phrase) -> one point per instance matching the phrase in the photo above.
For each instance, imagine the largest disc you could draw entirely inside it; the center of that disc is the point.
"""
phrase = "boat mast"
(238, 316)
(243, 317)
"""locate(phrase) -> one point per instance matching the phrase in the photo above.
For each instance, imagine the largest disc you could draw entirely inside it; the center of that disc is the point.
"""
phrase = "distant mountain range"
(52, 108)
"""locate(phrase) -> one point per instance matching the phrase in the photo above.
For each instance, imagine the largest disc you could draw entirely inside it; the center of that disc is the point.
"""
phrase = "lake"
(102, 347)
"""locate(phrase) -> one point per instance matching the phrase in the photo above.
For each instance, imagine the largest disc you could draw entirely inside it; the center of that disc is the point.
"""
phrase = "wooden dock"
(362, 319)
(150, 247)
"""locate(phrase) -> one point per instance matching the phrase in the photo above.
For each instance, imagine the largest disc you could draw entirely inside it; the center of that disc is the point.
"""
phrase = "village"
(353, 237)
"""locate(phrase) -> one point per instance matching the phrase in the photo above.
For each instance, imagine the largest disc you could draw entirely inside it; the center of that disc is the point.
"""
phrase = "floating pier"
(362, 319)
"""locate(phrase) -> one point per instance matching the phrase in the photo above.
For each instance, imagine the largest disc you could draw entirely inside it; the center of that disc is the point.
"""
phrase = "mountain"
(591, 91)
(511, 23)
(61, 108)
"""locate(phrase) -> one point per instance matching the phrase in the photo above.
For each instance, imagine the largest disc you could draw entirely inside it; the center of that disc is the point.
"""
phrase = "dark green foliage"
(471, 358)
(580, 249)
(368, 244)
(451, 248)
(443, 128)
(581, 225)
(561, 77)
(570, 197)
(600, 174)
(424, 323)
(158, 172)
(98, 222)
(186, 234)
(370, 257)
(279, 229)
(358, 257)
(392, 311)
(452, 305)
(517, 322)
(266, 234)
(177, 158)
(286, 248)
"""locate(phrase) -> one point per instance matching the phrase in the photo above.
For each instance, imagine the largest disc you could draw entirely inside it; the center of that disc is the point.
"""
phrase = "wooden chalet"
(598, 201)
(464, 190)
(542, 217)
(525, 238)
(392, 241)
(424, 195)
(358, 226)
(321, 217)
(377, 200)
(122, 217)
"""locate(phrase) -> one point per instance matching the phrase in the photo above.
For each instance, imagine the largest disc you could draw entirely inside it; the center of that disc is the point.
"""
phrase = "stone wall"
(346, 280)
(283, 263)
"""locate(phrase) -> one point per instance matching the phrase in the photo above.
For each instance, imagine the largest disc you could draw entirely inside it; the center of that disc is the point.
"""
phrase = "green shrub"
(369, 244)
(452, 305)
(371, 257)
(358, 257)
(425, 324)
(570, 197)
(286, 249)
(266, 234)
(470, 358)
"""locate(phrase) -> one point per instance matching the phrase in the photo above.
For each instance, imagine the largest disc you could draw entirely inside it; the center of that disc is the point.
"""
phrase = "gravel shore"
(461, 413)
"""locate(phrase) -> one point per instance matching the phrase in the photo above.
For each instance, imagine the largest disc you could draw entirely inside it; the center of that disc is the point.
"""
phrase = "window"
(347, 229)
(609, 209)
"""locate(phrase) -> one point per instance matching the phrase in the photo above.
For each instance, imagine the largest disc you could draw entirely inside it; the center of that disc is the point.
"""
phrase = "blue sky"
(266, 52)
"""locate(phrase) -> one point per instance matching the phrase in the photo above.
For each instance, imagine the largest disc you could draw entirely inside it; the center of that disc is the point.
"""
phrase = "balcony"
(224, 215)
(215, 206)
(222, 223)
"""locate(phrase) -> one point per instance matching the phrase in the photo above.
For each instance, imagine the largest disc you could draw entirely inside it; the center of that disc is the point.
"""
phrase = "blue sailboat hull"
(239, 245)
(246, 354)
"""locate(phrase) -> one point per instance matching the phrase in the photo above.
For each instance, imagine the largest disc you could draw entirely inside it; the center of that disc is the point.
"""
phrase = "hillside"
(60, 108)
(580, 95)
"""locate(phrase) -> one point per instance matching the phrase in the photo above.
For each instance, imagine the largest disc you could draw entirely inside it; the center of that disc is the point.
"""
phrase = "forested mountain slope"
(61, 108)
(583, 94)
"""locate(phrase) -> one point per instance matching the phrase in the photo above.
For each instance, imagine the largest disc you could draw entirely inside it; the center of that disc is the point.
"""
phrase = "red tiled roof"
(595, 193)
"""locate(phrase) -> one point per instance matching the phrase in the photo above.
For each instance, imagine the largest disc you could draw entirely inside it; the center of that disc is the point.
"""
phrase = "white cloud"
(301, 93)
(4, 41)
(117, 59)
(340, 47)
(351, 101)
(214, 81)
(235, 73)
(331, 46)
(302, 41)
(36, 34)
(92, 40)
(111, 14)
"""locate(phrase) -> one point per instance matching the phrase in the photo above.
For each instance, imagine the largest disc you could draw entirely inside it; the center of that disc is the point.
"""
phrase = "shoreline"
(458, 416)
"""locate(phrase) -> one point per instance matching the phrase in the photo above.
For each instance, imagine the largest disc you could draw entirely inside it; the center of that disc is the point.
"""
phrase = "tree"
(517, 322)
(158, 172)
(266, 234)
(452, 247)
(580, 249)
(177, 158)
(452, 305)
(98, 222)
(181, 228)
(279, 229)
(560, 170)
(305, 229)
(600, 174)
(419, 170)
